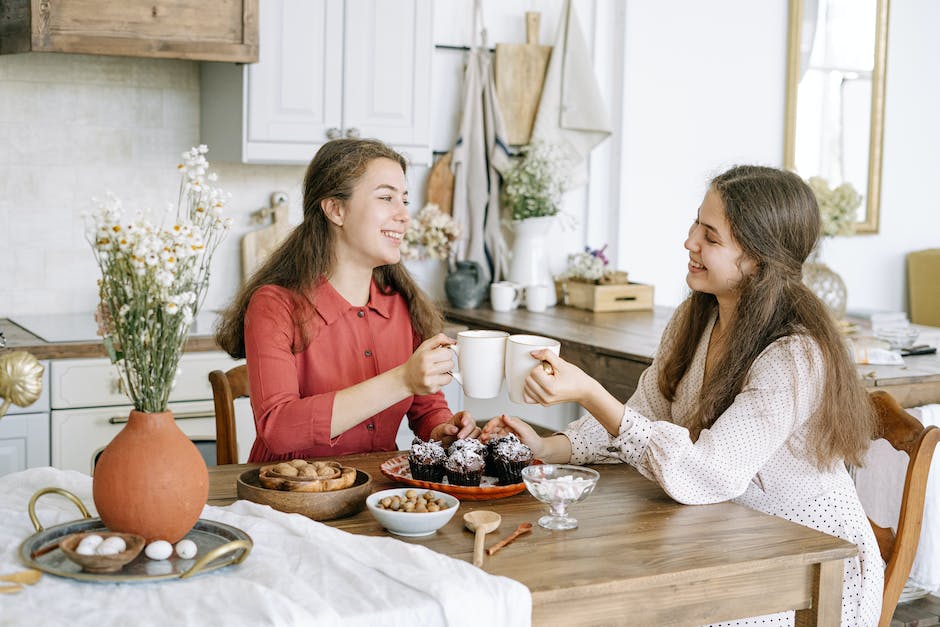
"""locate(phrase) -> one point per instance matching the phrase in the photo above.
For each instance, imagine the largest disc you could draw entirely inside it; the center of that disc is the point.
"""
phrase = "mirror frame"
(876, 128)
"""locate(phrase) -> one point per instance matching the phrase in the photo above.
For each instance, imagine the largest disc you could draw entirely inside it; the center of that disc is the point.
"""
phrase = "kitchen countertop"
(201, 339)
(614, 347)
(18, 338)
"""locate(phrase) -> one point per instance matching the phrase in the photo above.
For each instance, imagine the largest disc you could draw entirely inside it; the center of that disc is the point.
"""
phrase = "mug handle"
(455, 372)
(519, 291)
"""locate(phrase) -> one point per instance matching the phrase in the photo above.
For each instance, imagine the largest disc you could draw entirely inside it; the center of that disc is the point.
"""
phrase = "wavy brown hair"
(308, 255)
(773, 216)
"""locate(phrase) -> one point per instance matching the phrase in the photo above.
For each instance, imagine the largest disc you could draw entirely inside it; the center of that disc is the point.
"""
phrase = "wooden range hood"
(198, 30)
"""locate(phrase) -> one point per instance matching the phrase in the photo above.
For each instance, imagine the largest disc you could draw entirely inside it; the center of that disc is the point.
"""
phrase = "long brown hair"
(773, 216)
(308, 255)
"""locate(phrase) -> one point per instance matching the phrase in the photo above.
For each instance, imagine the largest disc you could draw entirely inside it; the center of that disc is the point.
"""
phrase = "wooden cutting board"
(258, 245)
(520, 72)
(440, 190)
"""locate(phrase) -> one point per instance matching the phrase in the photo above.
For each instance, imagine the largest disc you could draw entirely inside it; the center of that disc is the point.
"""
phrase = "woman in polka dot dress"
(751, 397)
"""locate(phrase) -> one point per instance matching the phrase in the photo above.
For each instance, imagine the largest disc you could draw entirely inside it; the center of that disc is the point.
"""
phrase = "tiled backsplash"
(73, 127)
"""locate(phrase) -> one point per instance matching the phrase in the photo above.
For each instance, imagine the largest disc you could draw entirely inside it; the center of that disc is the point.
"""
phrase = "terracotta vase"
(151, 479)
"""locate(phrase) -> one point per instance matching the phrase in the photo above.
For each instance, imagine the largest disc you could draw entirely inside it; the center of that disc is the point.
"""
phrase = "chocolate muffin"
(464, 467)
(509, 456)
(426, 460)
(472, 444)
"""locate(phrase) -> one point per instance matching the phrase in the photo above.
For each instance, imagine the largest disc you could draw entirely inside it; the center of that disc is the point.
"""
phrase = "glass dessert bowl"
(559, 485)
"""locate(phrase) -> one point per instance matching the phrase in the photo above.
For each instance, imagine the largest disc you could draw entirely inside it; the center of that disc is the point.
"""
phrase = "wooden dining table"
(637, 556)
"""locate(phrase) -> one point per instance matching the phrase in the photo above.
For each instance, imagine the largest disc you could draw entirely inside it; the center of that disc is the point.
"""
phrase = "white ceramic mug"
(536, 297)
(481, 358)
(519, 362)
(505, 295)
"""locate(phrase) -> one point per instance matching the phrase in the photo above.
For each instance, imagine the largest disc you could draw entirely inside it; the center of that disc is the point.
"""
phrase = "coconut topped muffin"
(426, 460)
(471, 444)
(509, 447)
(464, 467)
(508, 456)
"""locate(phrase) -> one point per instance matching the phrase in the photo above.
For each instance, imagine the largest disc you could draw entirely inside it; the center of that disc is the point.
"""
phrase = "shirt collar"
(330, 304)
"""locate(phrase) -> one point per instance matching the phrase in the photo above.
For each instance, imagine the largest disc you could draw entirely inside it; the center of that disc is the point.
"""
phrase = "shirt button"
(370, 427)
(361, 314)
(613, 449)
(368, 353)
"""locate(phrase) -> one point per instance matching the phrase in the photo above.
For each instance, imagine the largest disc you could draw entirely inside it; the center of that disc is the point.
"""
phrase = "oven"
(89, 409)
(79, 435)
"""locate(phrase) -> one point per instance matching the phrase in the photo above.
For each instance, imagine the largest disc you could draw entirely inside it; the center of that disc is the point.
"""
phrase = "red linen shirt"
(292, 393)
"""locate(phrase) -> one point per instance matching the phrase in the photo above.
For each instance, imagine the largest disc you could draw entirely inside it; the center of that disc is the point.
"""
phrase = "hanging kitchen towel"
(879, 484)
(572, 113)
(479, 153)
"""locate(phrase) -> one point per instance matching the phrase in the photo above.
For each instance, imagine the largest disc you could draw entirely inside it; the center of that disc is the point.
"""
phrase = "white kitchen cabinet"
(24, 442)
(326, 69)
(24, 433)
(88, 408)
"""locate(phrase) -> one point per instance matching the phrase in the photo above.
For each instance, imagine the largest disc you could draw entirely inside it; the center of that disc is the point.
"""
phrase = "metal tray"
(218, 544)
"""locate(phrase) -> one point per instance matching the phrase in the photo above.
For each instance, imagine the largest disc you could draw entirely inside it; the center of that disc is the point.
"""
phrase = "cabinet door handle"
(192, 415)
(352, 132)
(333, 133)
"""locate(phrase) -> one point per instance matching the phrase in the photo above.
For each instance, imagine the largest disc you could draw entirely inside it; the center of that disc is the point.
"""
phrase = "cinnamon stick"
(525, 527)
(46, 549)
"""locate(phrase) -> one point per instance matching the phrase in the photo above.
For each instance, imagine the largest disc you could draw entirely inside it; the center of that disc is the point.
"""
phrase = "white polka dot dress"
(754, 455)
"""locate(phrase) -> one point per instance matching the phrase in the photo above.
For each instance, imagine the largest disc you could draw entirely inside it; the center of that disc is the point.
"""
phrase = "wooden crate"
(625, 297)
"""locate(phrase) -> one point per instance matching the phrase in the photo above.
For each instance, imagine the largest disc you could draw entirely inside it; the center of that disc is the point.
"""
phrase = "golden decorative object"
(20, 379)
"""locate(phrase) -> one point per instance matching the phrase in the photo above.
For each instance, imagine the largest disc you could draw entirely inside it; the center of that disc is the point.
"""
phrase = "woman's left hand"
(460, 427)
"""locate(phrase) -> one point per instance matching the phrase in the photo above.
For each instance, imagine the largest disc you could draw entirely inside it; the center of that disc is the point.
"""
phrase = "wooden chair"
(226, 387)
(904, 433)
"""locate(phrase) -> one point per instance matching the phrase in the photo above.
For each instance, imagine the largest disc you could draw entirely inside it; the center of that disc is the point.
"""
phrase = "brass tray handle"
(217, 552)
(32, 504)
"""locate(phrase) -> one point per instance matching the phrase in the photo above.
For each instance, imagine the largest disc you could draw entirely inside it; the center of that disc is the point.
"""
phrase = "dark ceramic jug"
(466, 286)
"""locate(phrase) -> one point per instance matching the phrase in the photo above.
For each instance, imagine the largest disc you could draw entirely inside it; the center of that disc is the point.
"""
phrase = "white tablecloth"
(300, 572)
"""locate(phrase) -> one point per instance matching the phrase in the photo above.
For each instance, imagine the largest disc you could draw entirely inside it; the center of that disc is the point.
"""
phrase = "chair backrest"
(904, 433)
(226, 387)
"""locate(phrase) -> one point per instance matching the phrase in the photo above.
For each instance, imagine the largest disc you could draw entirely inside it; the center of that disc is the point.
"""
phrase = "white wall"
(874, 266)
(73, 127)
(702, 88)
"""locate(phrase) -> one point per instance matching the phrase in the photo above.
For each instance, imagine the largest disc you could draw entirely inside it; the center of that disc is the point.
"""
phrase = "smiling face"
(373, 220)
(716, 261)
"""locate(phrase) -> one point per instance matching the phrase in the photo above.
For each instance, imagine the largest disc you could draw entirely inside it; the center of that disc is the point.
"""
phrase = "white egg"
(88, 544)
(186, 549)
(159, 550)
(111, 546)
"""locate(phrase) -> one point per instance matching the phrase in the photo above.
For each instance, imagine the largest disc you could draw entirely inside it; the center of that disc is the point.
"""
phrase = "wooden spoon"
(28, 577)
(481, 522)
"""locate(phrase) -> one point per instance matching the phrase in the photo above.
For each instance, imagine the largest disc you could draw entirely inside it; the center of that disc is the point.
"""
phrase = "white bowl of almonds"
(412, 512)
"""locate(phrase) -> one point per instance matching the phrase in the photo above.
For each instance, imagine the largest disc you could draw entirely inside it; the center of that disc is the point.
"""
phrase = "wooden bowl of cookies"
(326, 496)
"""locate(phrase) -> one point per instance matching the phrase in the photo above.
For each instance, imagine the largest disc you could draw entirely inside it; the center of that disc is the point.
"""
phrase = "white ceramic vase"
(529, 264)
(429, 274)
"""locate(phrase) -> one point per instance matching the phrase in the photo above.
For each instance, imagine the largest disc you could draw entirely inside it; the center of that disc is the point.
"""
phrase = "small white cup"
(536, 297)
(481, 359)
(505, 296)
(519, 363)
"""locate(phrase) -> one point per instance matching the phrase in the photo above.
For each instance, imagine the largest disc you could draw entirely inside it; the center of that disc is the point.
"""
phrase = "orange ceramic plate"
(397, 469)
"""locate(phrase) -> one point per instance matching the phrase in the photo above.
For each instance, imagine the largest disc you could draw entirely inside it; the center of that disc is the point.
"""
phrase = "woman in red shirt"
(340, 342)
